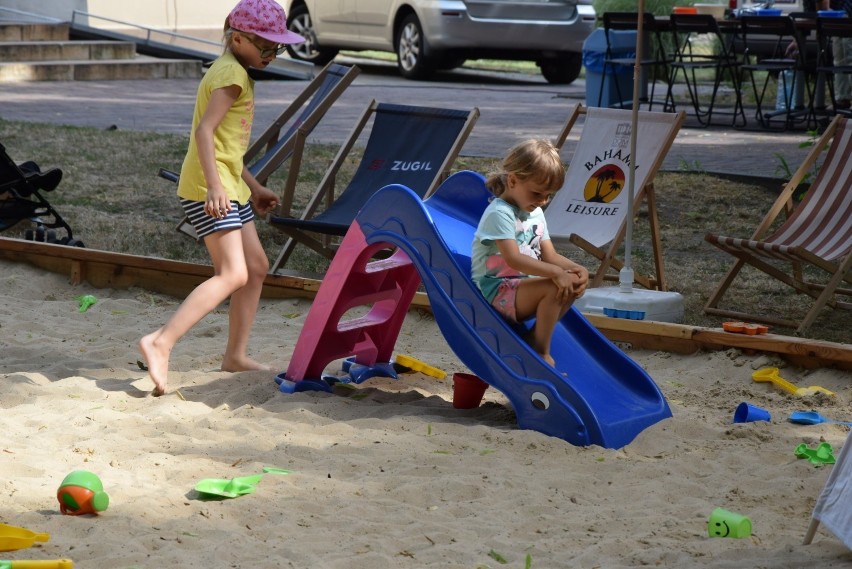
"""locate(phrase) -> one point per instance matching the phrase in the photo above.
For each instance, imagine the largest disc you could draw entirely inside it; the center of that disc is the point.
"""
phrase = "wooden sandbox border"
(103, 269)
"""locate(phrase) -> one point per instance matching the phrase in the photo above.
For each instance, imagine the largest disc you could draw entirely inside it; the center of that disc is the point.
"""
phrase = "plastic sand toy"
(823, 454)
(86, 301)
(724, 523)
(13, 538)
(82, 492)
(745, 328)
(225, 488)
(813, 418)
(417, 365)
(770, 374)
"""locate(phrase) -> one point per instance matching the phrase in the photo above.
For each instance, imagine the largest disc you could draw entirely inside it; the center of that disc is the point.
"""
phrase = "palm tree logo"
(605, 184)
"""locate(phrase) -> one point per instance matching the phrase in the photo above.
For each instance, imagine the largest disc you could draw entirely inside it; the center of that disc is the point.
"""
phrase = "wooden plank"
(687, 339)
(103, 269)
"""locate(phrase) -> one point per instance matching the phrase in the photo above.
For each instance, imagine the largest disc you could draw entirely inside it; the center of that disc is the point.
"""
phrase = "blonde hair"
(228, 34)
(533, 159)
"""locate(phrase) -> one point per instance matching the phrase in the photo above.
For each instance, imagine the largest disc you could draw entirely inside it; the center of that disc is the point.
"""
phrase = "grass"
(526, 67)
(112, 198)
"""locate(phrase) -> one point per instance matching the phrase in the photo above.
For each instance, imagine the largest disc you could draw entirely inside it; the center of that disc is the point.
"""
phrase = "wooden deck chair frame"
(828, 208)
(324, 195)
(270, 150)
(610, 264)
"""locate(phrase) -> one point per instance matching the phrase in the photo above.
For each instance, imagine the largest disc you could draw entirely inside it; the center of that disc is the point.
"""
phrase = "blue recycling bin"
(619, 78)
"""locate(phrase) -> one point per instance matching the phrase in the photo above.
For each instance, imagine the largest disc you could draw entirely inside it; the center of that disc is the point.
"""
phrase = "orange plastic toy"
(745, 328)
(82, 492)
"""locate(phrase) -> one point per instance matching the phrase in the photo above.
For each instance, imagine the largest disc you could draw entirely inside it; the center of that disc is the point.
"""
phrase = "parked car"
(428, 35)
(786, 6)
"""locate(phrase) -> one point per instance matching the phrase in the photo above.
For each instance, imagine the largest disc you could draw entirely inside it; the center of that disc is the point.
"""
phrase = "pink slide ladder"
(386, 286)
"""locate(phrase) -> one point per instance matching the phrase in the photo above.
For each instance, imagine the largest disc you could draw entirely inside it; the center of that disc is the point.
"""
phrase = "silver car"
(428, 35)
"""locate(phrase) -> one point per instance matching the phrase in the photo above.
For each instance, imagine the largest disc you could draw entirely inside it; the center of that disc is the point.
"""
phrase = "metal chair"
(782, 56)
(829, 30)
(655, 57)
(700, 45)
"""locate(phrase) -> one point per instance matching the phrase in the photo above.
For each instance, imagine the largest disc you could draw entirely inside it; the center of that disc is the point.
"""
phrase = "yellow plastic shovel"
(770, 374)
(13, 538)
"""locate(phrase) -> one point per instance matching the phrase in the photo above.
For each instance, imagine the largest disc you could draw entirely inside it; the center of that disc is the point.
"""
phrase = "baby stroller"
(20, 199)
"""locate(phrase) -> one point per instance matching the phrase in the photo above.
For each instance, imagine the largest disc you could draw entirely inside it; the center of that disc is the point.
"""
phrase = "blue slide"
(595, 394)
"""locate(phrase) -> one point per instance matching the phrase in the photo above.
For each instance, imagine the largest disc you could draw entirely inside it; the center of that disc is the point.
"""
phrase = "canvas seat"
(832, 505)
(410, 145)
(590, 211)
(816, 235)
(21, 199)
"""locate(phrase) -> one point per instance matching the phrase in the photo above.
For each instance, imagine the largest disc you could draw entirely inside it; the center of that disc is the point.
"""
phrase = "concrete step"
(103, 70)
(29, 51)
(29, 31)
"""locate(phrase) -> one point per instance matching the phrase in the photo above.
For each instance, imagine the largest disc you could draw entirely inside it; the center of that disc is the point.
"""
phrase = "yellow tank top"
(231, 138)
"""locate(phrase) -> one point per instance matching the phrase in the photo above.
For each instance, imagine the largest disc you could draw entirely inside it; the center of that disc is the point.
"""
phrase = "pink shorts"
(504, 301)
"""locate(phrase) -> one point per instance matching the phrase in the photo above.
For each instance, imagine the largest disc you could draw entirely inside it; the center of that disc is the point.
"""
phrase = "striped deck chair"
(817, 233)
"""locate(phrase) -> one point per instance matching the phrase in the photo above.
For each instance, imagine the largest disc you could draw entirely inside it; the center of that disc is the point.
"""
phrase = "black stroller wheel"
(39, 234)
(51, 236)
(29, 235)
(75, 243)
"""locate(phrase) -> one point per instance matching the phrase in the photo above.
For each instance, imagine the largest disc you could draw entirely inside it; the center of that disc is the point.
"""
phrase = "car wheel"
(309, 50)
(563, 70)
(411, 55)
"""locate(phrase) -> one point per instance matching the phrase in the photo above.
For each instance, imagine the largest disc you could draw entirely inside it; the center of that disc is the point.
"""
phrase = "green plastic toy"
(823, 454)
(86, 301)
(724, 523)
(232, 488)
(82, 492)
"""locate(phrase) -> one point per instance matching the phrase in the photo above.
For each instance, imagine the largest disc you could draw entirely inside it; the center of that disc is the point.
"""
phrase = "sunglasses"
(266, 51)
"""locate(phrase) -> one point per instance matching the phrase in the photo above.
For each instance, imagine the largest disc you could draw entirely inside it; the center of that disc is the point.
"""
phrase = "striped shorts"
(204, 224)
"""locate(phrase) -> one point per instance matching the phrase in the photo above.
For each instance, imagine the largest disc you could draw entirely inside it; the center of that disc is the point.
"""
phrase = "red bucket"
(468, 390)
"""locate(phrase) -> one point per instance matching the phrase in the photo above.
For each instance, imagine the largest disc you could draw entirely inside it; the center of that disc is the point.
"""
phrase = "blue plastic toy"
(594, 395)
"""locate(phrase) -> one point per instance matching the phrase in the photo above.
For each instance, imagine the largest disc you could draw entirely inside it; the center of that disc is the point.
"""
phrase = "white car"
(428, 35)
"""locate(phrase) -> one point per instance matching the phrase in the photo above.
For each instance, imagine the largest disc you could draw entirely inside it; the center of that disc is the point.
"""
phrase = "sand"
(388, 474)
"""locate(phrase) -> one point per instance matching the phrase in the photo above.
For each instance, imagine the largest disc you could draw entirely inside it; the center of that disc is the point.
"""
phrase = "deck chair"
(22, 199)
(590, 211)
(413, 146)
(278, 144)
(832, 505)
(816, 234)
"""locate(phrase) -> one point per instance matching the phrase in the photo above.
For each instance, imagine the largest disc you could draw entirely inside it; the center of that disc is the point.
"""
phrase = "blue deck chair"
(272, 148)
(413, 146)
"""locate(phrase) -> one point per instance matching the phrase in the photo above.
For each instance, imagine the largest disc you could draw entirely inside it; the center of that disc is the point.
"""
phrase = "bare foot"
(243, 364)
(549, 359)
(158, 363)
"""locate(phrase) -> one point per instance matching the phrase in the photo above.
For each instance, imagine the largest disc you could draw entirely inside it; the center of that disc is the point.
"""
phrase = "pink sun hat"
(263, 18)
